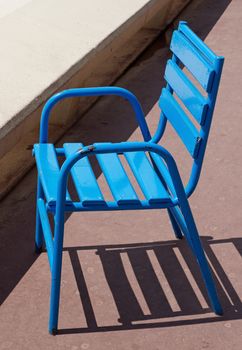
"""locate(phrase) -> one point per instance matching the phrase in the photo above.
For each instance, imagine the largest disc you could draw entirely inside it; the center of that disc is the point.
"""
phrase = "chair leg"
(38, 227)
(176, 228)
(198, 251)
(56, 270)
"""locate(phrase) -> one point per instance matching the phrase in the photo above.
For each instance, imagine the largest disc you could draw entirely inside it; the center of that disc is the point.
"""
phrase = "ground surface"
(127, 283)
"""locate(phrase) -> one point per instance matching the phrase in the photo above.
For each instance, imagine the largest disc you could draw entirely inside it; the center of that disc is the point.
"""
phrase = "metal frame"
(178, 208)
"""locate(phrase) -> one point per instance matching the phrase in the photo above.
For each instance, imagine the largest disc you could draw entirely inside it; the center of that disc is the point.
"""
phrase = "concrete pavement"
(127, 266)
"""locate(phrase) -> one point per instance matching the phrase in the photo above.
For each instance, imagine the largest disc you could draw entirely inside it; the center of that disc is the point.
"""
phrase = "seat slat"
(180, 122)
(147, 178)
(186, 91)
(84, 179)
(117, 179)
(192, 58)
(48, 170)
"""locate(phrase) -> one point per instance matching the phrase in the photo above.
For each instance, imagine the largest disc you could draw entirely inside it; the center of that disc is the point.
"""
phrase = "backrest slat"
(183, 28)
(193, 59)
(180, 122)
(186, 91)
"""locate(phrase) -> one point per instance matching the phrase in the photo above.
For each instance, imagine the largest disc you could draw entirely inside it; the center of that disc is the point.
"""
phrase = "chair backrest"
(182, 95)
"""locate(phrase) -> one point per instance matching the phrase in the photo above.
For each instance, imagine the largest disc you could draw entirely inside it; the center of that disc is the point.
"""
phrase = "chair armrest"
(93, 91)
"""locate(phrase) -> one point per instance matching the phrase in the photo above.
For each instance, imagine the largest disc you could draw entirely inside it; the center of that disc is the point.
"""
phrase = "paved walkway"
(127, 284)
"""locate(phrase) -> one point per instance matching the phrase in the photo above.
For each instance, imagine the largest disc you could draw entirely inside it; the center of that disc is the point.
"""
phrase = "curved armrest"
(93, 91)
(118, 148)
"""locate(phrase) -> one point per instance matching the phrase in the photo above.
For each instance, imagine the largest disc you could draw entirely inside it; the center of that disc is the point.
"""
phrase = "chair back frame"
(216, 62)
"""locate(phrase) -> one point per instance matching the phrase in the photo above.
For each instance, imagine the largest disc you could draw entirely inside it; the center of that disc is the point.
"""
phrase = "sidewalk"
(123, 267)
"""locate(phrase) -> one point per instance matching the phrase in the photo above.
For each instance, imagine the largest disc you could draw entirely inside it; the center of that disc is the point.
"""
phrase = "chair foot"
(53, 331)
(219, 311)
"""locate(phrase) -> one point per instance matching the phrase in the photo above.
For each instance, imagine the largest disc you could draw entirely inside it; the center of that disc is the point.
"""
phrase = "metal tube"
(46, 230)
(94, 91)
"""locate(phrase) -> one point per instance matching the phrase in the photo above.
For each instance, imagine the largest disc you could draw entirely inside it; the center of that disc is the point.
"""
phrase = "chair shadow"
(18, 208)
(162, 313)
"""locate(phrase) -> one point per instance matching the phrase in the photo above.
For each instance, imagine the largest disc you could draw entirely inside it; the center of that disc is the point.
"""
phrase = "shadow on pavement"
(185, 284)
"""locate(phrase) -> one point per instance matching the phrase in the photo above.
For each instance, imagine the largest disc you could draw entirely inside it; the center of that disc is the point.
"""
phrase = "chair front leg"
(56, 268)
(38, 227)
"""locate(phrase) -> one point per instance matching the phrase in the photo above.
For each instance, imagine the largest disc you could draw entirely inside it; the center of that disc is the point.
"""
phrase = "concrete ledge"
(53, 47)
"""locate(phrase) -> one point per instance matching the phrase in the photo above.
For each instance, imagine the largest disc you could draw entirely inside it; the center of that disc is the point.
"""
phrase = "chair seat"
(87, 187)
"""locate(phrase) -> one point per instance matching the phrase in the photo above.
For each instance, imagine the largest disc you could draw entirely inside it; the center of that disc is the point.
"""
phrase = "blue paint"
(48, 170)
(147, 178)
(117, 179)
(179, 120)
(195, 62)
(195, 102)
(97, 91)
(152, 165)
(84, 179)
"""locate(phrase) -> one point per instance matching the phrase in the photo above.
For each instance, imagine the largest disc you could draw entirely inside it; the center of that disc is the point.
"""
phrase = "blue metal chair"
(152, 165)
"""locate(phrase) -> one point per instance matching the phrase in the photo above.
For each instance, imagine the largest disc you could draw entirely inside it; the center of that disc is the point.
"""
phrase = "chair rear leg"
(176, 228)
(38, 225)
(194, 240)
